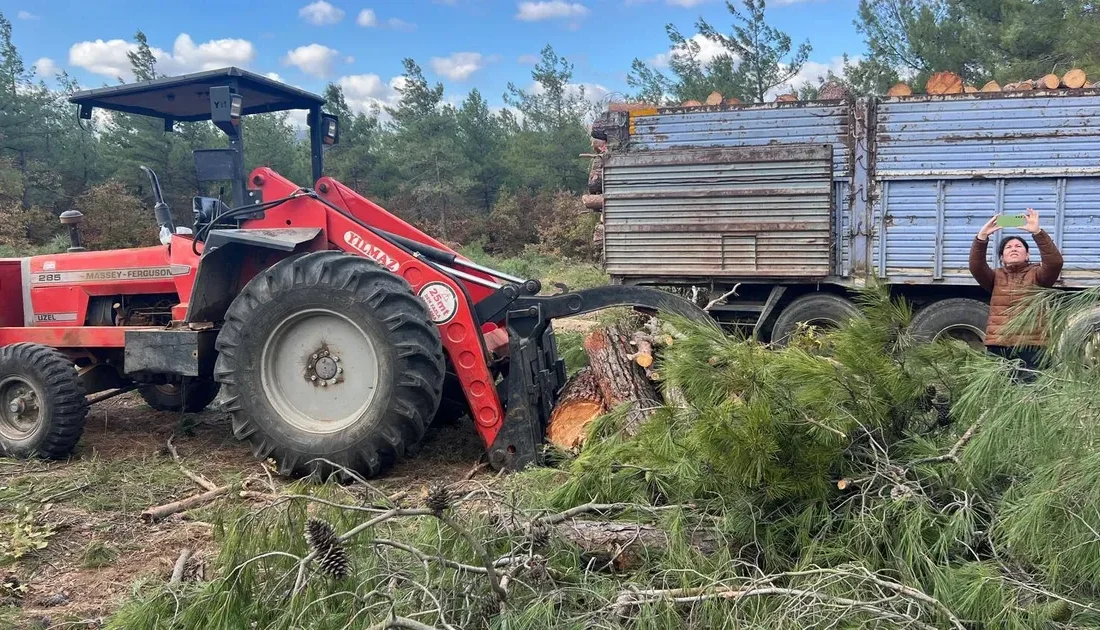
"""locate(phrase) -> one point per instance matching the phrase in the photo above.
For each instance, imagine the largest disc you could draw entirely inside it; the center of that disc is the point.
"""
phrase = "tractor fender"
(221, 270)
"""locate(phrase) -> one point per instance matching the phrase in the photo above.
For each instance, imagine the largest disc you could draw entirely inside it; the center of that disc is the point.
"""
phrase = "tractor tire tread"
(67, 402)
(416, 344)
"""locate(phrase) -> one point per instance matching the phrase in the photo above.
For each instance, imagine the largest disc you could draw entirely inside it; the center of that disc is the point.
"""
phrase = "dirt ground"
(100, 548)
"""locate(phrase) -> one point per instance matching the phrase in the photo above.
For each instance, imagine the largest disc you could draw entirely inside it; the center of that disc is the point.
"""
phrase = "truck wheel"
(823, 310)
(170, 396)
(961, 319)
(1080, 340)
(328, 356)
(42, 403)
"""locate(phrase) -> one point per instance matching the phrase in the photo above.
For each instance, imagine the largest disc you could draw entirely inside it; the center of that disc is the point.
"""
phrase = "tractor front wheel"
(192, 397)
(42, 403)
(329, 361)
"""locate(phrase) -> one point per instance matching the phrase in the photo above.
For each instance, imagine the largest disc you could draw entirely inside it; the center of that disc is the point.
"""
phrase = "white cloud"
(400, 25)
(108, 58)
(274, 76)
(549, 10)
(46, 68)
(367, 18)
(315, 59)
(349, 59)
(708, 51)
(321, 13)
(529, 60)
(26, 15)
(364, 92)
(686, 3)
(811, 72)
(458, 66)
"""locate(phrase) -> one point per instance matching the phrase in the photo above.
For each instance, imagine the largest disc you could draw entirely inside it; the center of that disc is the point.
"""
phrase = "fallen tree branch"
(203, 482)
(554, 519)
(401, 622)
(722, 298)
(447, 562)
(158, 513)
(951, 455)
(181, 565)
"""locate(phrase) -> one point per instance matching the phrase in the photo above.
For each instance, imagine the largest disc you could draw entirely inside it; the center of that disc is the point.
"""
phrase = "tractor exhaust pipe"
(72, 220)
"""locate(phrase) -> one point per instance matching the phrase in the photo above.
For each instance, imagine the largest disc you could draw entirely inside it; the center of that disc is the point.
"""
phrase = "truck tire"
(42, 403)
(963, 319)
(170, 396)
(1079, 341)
(329, 356)
(825, 310)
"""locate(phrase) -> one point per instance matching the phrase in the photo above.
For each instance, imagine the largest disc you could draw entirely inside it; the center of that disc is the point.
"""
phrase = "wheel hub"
(21, 408)
(320, 370)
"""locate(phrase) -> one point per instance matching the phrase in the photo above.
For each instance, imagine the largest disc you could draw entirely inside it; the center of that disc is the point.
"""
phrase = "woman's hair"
(1008, 240)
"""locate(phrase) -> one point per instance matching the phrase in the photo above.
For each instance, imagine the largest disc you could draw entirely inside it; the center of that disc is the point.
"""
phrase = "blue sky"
(360, 44)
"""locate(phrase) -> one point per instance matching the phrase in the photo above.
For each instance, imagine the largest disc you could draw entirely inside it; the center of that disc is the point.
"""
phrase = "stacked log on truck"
(947, 82)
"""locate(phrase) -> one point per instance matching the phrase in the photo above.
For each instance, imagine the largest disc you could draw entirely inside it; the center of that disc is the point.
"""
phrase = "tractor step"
(179, 351)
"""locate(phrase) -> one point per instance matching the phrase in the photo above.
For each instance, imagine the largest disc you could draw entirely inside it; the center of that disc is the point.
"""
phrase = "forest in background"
(506, 181)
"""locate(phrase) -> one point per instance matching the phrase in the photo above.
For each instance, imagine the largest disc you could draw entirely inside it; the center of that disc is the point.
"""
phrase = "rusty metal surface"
(724, 212)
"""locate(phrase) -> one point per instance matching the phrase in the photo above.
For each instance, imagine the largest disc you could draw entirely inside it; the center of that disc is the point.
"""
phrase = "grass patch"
(99, 554)
(547, 269)
(571, 349)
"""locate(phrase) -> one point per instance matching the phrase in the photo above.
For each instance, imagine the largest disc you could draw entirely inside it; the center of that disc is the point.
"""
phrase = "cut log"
(786, 98)
(970, 89)
(629, 107)
(733, 100)
(592, 202)
(992, 86)
(715, 98)
(899, 89)
(1048, 82)
(579, 404)
(945, 82)
(595, 176)
(619, 378)
(622, 546)
(832, 91)
(691, 103)
(1075, 78)
(643, 345)
(1025, 86)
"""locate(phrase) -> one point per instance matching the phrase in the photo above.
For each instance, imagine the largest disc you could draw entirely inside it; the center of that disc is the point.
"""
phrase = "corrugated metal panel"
(721, 212)
(746, 126)
(988, 136)
(945, 165)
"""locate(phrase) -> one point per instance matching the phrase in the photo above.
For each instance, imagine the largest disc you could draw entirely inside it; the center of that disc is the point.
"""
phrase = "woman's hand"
(1032, 221)
(989, 228)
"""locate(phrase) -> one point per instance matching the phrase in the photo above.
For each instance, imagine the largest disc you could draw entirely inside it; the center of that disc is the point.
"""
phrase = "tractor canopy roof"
(186, 98)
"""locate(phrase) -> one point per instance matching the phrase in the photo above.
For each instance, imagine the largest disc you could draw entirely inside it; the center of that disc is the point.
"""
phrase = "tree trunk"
(899, 89)
(580, 403)
(619, 378)
(1049, 82)
(945, 82)
(621, 546)
(992, 86)
(1074, 79)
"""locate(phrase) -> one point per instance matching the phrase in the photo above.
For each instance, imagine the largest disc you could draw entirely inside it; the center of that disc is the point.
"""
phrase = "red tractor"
(333, 327)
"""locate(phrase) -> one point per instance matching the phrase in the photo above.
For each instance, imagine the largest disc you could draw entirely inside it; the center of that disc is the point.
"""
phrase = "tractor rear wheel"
(329, 356)
(192, 397)
(42, 403)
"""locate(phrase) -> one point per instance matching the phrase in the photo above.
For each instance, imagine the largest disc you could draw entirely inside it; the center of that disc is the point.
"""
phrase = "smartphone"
(1011, 220)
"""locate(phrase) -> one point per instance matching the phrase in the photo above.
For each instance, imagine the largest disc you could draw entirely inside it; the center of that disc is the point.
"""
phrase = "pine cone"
(439, 499)
(320, 535)
(943, 414)
(334, 562)
(539, 535)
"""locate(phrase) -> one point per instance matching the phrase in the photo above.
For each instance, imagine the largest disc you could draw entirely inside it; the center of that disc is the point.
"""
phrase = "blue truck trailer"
(798, 204)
